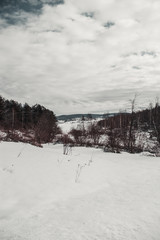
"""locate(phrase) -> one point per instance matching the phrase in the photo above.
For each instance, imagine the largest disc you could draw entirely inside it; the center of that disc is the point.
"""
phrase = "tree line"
(133, 131)
(114, 133)
(123, 128)
(38, 120)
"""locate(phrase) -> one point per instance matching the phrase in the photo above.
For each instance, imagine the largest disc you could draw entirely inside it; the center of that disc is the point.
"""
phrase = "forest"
(133, 131)
(34, 124)
(127, 131)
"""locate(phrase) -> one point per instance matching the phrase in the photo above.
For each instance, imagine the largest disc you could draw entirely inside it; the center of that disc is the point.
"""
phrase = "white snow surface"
(115, 197)
(78, 124)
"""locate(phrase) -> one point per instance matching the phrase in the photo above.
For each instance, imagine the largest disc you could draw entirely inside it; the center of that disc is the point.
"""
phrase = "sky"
(80, 56)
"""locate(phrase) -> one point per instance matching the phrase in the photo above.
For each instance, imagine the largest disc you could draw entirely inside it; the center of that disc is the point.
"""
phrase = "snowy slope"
(78, 124)
(115, 197)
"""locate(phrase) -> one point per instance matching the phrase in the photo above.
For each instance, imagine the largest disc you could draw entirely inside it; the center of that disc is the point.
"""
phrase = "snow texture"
(78, 124)
(86, 195)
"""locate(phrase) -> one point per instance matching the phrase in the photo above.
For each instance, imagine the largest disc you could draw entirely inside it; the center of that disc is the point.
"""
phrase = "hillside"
(85, 116)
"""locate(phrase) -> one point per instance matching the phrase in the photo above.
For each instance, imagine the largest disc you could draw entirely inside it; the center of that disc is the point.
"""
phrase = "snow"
(78, 124)
(2, 134)
(115, 197)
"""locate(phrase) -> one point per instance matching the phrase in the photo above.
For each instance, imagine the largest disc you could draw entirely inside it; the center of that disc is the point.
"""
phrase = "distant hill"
(86, 116)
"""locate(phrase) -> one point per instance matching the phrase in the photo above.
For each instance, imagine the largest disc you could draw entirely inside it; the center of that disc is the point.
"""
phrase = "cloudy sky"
(80, 56)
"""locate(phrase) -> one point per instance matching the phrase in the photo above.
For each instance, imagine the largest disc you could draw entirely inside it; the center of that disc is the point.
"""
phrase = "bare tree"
(131, 137)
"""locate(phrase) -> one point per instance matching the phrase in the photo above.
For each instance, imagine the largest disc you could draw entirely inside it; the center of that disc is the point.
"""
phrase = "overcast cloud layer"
(80, 56)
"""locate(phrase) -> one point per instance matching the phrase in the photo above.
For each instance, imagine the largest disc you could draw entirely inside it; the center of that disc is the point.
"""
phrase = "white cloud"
(72, 63)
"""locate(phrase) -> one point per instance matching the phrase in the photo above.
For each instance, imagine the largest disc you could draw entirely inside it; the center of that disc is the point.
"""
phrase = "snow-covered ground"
(86, 195)
(78, 124)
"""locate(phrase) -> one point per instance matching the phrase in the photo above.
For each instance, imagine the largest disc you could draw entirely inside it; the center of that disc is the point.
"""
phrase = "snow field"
(78, 124)
(115, 197)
